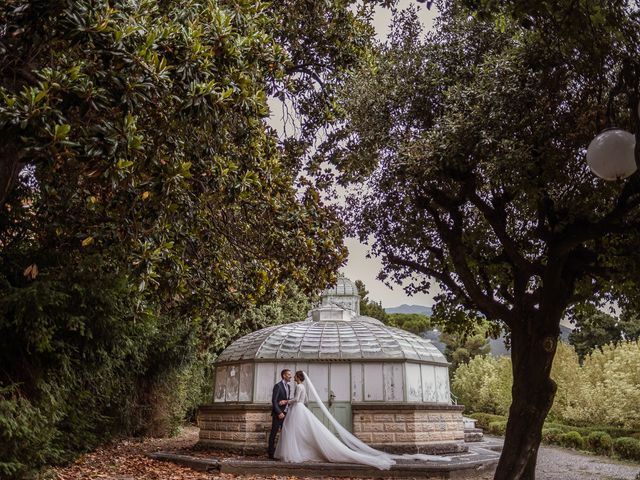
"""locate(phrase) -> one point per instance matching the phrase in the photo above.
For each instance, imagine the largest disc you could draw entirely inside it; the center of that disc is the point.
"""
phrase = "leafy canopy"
(472, 144)
(142, 134)
(595, 328)
(144, 202)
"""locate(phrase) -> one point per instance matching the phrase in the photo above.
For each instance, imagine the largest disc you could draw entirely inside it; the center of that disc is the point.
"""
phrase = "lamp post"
(611, 154)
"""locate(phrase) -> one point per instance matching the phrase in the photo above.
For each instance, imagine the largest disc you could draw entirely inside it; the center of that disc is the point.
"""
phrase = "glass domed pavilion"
(390, 387)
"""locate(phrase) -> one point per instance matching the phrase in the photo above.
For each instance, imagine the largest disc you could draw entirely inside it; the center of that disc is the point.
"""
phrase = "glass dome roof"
(343, 286)
(332, 333)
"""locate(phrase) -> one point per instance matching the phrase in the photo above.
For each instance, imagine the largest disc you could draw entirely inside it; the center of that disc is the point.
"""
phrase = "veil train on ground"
(357, 445)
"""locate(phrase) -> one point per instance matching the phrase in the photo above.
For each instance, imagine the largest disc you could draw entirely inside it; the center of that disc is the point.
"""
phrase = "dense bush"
(484, 384)
(572, 440)
(145, 203)
(552, 435)
(484, 419)
(600, 443)
(598, 440)
(606, 389)
(613, 432)
(627, 447)
(117, 376)
(23, 424)
(603, 391)
(498, 427)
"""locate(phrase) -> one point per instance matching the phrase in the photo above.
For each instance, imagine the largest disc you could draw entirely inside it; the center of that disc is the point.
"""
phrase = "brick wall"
(410, 428)
(241, 428)
(396, 428)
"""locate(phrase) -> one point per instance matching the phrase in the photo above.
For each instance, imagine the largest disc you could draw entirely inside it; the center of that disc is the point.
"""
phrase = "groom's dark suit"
(281, 391)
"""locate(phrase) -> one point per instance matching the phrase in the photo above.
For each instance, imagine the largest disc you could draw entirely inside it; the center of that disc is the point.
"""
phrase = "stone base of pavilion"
(392, 427)
(479, 462)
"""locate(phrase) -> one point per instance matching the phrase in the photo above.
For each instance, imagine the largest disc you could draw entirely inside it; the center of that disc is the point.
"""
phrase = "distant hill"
(498, 347)
(404, 308)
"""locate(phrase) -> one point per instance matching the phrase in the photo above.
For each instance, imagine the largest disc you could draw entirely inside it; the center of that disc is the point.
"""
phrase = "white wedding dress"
(305, 439)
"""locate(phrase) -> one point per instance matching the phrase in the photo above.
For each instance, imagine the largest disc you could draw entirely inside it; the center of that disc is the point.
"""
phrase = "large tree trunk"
(532, 350)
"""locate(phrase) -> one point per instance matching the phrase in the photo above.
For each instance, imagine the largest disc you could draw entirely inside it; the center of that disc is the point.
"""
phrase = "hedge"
(602, 440)
(600, 443)
(484, 419)
(572, 439)
(498, 428)
(627, 447)
(552, 435)
(613, 432)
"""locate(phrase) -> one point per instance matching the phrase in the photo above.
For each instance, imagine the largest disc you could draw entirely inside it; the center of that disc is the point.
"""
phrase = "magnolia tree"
(470, 143)
(141, 191)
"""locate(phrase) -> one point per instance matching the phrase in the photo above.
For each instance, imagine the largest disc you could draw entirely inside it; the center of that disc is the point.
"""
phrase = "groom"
(281, 393)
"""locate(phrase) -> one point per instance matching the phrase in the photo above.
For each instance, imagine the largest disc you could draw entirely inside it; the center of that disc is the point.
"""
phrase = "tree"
(484, 384)
(411, 322)
(141, 191)
(595, 328)
(367, 307)
(460, 348)
(471, 143)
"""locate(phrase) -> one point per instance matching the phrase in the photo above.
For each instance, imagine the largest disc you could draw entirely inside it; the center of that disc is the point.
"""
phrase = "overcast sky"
(358, 266)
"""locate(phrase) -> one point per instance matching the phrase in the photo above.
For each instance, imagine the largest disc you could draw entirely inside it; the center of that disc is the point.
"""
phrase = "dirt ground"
(126, 460)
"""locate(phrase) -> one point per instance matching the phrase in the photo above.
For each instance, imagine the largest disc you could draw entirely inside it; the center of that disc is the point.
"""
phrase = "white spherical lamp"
(611, 155)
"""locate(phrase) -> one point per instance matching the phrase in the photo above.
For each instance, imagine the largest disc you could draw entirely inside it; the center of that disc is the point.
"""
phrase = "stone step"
(478, 463)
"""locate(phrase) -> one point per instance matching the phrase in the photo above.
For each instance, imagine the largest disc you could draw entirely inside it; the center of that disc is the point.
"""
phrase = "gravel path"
(556, 463)
(562, 464)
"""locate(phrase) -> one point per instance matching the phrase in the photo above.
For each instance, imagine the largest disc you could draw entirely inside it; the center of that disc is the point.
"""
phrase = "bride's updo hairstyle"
(300, 375)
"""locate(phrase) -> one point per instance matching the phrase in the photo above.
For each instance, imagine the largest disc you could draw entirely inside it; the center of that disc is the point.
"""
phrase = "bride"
(304, 438)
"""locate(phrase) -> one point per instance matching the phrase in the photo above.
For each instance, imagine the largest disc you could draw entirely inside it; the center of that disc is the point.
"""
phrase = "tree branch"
(304, 68)
(453, 239)
(442, 276)
(582, 230)
(499, 228)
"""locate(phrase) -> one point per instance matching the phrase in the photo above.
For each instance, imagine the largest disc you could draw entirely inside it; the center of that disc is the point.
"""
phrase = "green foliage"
(454, 149)
(566, 372)
(597, 439)
(498, 427)
(627, 447)
(324, 41)
(602, 391)
(370, 308)
(21, 424)
(600, 443)
(614, 432)
(469, 143)
(605, 390)
(585, 28)
(594, 329)
(572, 440)
(484, 419)
(147, 213)
(552, 435)
(462, 347)
(484, 384)
(411, 322)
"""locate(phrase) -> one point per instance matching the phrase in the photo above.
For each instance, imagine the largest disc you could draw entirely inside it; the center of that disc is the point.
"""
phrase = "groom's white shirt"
(287, 388)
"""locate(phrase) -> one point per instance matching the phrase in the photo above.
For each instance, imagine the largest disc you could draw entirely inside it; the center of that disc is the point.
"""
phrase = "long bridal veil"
(357, 445)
